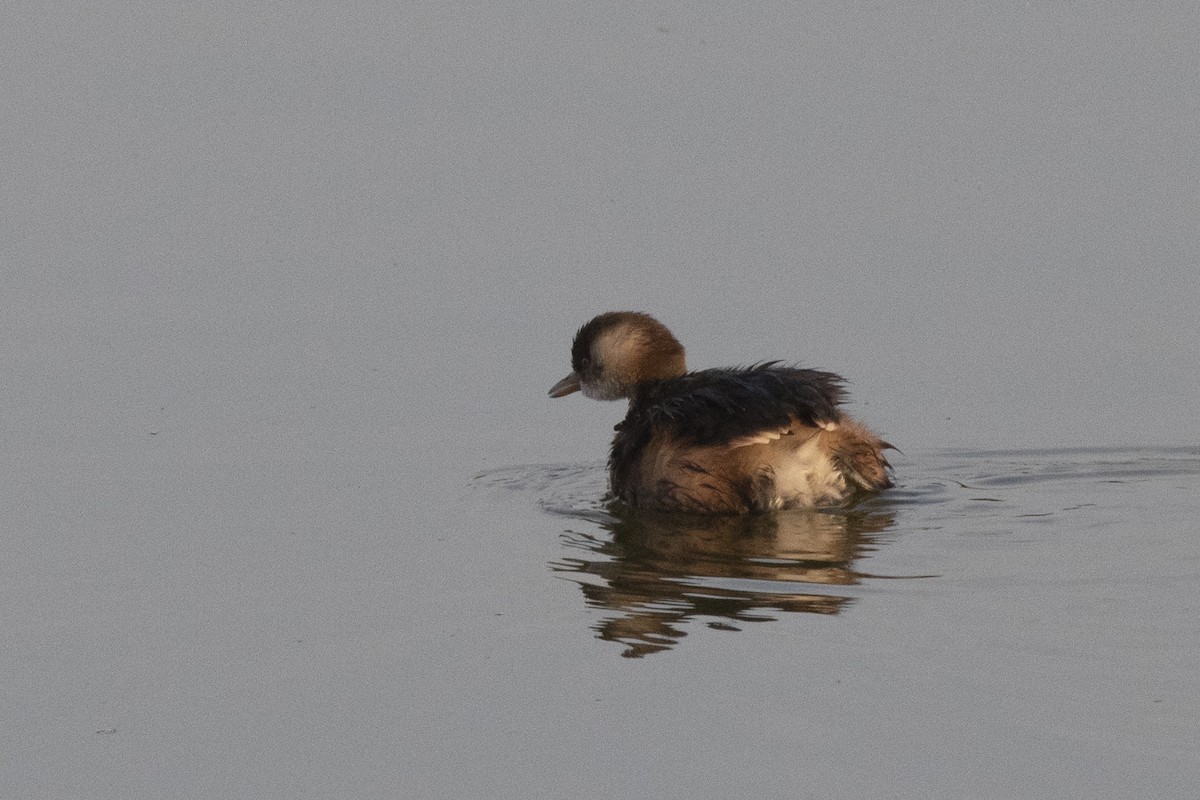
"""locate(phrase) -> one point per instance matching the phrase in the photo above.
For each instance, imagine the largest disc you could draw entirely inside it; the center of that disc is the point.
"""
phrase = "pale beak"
(566, 386)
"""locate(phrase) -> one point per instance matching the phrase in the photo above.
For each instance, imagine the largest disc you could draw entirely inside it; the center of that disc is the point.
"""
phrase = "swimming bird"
(732, 440)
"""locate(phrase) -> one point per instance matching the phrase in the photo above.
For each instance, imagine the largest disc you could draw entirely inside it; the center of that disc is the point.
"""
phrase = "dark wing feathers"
(716, 406)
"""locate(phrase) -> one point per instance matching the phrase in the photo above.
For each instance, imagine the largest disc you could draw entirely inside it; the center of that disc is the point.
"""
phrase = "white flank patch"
(808, 477)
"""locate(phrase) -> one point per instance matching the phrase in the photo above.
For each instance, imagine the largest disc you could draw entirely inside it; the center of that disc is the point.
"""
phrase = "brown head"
(616, 351)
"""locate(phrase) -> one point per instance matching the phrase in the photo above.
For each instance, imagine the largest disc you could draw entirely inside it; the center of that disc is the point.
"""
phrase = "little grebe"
(719, 440)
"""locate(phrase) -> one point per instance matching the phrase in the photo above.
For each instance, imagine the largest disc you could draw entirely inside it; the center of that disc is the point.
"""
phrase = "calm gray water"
(286, 511)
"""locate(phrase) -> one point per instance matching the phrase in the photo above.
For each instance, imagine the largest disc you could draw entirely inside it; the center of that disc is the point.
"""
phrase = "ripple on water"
(652, 575)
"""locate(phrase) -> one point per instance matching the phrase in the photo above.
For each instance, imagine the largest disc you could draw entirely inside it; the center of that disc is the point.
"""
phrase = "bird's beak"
(566, 386)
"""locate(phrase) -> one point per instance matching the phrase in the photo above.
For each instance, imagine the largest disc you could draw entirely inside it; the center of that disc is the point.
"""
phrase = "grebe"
(719, 440)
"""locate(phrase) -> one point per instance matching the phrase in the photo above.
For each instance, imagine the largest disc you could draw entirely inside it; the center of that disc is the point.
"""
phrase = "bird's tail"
(858, 454)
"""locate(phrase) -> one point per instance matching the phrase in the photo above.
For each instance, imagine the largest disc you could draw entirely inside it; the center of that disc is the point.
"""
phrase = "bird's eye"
(585, 363)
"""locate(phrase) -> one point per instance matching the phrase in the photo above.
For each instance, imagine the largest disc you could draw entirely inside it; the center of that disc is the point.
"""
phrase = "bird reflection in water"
(656, 571)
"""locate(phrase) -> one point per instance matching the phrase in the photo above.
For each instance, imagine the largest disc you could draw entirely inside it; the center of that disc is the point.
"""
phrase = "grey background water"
(287, 513)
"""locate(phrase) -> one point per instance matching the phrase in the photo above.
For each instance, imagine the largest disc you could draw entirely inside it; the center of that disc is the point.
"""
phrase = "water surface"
(653, 576)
